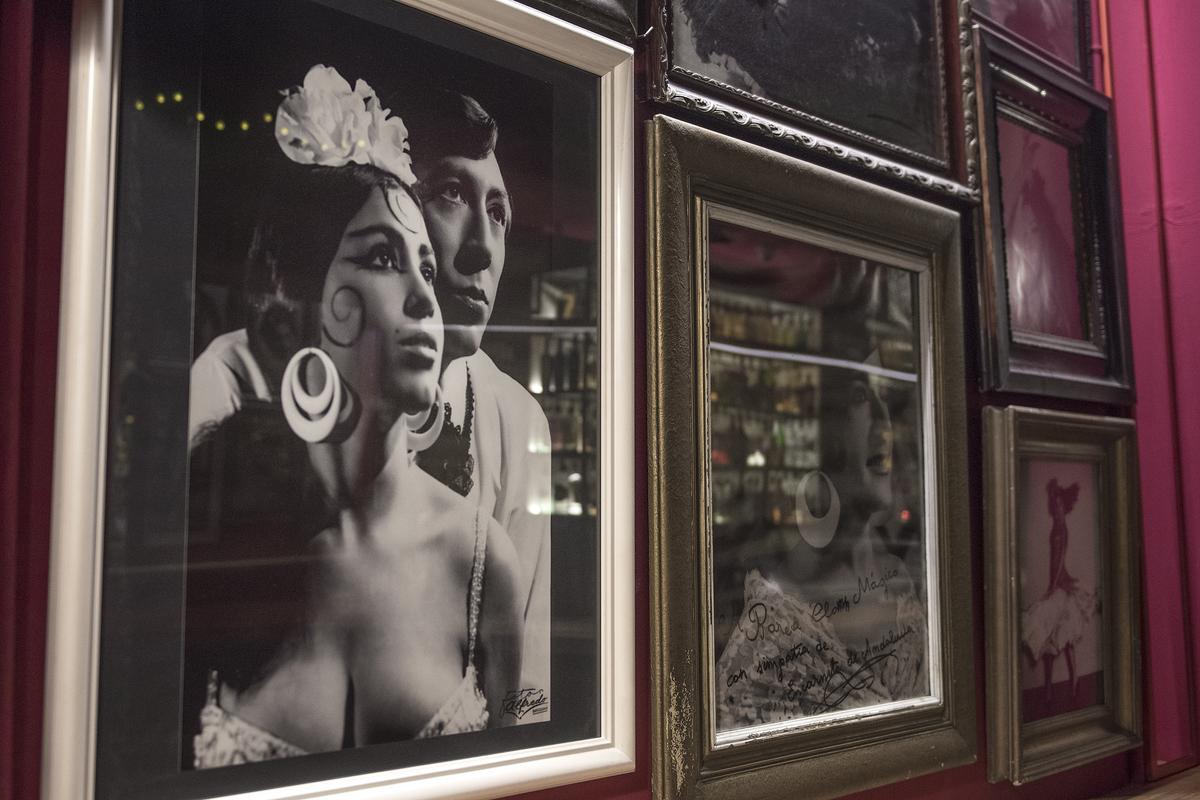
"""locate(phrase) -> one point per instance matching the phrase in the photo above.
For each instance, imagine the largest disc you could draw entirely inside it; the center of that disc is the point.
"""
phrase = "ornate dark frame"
(956, 176)
(1083, 38)
(691, 171)
(1010, 79)
(1018, 751)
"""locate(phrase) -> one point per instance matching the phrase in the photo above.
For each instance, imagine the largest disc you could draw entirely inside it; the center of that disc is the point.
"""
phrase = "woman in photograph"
(1057, 621)
(830, 618)
(392, 611)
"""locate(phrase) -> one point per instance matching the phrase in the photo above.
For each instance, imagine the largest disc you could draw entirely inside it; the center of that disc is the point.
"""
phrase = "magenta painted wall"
(1150, 55)
(1174, 26)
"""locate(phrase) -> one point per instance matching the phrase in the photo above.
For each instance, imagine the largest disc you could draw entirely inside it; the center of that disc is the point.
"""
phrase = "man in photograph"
(495, 444)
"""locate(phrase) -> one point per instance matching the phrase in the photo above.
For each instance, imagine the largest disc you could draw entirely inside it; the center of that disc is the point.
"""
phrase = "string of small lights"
(161, 98)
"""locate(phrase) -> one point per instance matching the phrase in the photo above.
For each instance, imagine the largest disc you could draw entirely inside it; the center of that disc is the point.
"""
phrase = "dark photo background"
(869, 65)
(829, 304)
(194, 156)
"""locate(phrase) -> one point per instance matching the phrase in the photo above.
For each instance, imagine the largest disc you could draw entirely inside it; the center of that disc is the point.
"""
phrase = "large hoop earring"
(423, 432)
(816, 531)
(312, 417)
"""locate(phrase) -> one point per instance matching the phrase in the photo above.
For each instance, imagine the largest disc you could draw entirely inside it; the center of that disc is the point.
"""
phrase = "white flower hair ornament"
(326, 122)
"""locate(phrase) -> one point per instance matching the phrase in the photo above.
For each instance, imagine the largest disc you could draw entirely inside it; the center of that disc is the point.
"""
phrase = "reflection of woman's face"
(865, 477)
(380, 320)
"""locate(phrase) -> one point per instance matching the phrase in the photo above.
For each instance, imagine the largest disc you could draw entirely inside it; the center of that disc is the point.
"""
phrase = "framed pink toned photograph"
(1051, 285)
(1062, 669)
(1062, 590)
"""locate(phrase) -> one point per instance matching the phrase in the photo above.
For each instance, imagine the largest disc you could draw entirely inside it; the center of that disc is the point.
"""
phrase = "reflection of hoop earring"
(422, 433)
(312, 417)
(817, 531)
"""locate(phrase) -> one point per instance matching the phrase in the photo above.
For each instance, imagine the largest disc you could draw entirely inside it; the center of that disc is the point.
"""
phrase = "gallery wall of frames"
(675, 400)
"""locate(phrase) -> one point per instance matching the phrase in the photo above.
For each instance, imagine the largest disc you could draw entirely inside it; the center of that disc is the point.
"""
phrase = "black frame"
(1016, 84)
(954, 175)
(1083, 40)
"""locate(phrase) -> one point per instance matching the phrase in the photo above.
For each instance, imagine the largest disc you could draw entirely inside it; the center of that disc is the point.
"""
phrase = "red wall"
(1154, 62)
(33, 88)
(1174, 26)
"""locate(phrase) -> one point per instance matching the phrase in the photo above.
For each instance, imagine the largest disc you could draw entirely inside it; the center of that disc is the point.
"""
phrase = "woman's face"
(380, 321)
(865, 477)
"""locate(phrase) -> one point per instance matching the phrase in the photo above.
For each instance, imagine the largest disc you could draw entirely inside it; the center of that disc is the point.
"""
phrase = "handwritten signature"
(778, 663)
(762, 625)
(874, 648)
(866, 585)
(836, 691)
(522, 702)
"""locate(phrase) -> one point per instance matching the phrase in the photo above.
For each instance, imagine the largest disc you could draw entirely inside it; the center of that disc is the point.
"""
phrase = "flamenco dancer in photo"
(494, 446)
(396, 612)
(1056, 622)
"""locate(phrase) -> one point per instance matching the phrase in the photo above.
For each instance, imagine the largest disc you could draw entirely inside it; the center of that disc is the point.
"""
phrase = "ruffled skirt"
(1058, 620)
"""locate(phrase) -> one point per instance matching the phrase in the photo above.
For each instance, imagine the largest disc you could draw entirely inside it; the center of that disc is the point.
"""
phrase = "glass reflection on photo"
(819, 531)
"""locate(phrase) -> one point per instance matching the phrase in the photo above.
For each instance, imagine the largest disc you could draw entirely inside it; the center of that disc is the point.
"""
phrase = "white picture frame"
(69, 744)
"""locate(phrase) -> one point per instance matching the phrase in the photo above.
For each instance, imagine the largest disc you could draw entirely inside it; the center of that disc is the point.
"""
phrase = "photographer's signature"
(522, 702)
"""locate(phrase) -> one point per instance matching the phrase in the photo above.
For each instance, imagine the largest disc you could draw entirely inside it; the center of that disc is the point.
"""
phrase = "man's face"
(468, 213)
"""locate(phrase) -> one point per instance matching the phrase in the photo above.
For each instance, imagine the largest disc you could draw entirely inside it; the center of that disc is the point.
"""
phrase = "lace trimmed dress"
(226, 739)
(780, 664)
(1057, 620)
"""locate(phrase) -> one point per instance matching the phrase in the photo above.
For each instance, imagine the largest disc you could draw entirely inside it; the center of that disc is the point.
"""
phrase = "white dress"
(1056, 620)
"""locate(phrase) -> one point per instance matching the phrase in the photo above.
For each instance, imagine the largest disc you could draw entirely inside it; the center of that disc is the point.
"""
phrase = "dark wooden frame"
(691, 171)
(1018, 85)
(1025, 751)
(1083, 39)
(955, 175)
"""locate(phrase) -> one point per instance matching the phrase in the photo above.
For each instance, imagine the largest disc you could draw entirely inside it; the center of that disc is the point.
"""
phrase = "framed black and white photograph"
(1052, 294)
(806, 417)
(868, 84)
(344, 474)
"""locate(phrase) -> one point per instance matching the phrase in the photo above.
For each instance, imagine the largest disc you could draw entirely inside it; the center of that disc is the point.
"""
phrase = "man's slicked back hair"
(443, 124)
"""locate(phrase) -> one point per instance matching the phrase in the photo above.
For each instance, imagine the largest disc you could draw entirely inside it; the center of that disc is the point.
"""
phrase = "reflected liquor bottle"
(549, 360)
(565, 371)
(579, 362)
(590, 377)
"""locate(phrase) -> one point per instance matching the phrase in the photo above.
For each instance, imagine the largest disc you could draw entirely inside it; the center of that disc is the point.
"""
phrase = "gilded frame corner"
(689, 169)
(1020, 751)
